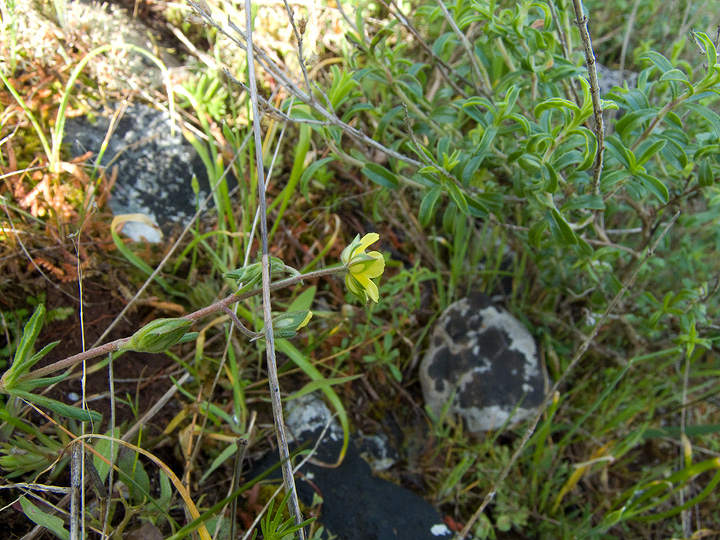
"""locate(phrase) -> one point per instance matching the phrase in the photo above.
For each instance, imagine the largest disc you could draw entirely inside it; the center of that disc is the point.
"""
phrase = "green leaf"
(230, 450)
(440, 43)
(710, 54)
(28, 384)
(634, 120)
(353, 110)
(40, 354)
(530, 163)
(662, 63)
(609, 179)
(535, 233)
(551, 184)
(677, 75)
(705, 174)
(458, 197)
(52, 523)
(556, 103)
(481, 208)
(655, 186)
(711, 116)
(342, 85)
(511, 98)
(21, 364)
(487, 139)
(429, 169)
(22, 383)
(246, 274)
(427, 206)
(520, 119)
(102, 447)
(618, 150)
(412, 85)
(308, 174)
(539, 143)
(560, 229)
(588, 201)
(134, 476)
(380, 175)
(443, 114)
(674, 151)
(385, 121)
(590, 153)
(132, 257)
(310, 387)
(480, 101)
(566, 159)
(381, 34)
(63, 409)
(584, 248)
(311, 371)
(304, 300)
(650, 151)
(470, 167)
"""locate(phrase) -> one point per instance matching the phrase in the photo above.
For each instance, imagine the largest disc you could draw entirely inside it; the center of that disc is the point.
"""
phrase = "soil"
(139, 378)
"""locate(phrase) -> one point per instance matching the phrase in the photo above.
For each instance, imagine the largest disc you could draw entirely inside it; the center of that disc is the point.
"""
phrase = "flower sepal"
(249, 276)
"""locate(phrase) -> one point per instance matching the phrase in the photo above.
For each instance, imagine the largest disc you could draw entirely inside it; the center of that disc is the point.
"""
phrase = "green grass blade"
(311, 371)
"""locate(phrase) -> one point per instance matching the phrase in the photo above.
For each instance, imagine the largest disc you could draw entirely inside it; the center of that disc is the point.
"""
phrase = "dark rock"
(356, 505)
(486, 361)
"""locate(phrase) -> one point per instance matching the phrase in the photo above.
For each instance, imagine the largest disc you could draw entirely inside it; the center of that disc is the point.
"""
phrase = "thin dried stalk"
(582, 22)
(275, 398)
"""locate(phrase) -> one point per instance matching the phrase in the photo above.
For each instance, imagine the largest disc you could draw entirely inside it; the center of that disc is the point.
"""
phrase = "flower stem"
(195, 316)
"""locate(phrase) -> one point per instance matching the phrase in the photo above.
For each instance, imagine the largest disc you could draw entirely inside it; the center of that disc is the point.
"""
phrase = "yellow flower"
(363, 267)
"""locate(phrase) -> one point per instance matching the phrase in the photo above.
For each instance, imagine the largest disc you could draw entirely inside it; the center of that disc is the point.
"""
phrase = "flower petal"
(362, 267)
(368, 287)
(372, 292)
(377, 267)
(369, 238)
(305, 320)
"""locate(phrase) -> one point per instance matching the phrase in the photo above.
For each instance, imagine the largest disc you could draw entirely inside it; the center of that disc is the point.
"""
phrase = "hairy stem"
(195, 316)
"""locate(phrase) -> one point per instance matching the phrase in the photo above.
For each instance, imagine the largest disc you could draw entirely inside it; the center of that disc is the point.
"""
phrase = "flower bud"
(287, 324)
(159, 335)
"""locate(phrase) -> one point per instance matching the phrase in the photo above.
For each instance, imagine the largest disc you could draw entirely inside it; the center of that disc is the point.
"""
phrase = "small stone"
(377, 451)
(486, 361)
(355, 504)
(609, 78)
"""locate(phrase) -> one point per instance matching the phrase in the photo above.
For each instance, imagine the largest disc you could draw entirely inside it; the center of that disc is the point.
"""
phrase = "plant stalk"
(220, 305)
(273, 380)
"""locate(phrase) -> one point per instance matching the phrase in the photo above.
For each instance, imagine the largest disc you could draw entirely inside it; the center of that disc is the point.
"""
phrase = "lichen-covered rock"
(487, 360)
(155, 166)
(609, 78)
